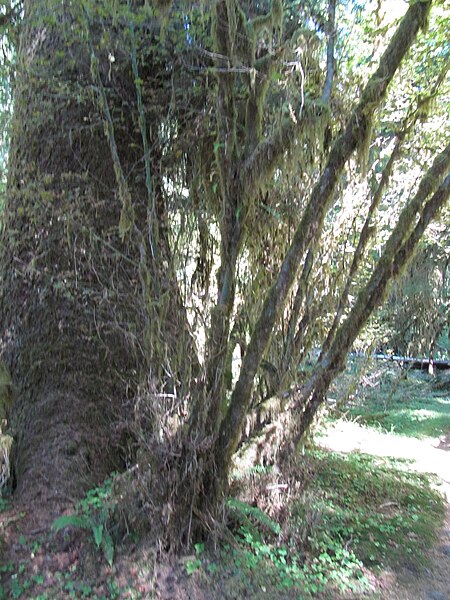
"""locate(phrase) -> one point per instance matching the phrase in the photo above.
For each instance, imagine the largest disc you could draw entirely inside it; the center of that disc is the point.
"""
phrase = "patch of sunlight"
(423, 414)
(441, 400)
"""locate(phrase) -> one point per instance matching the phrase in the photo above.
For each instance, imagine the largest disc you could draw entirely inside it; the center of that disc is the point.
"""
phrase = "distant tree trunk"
(70, 295)
(431, 358)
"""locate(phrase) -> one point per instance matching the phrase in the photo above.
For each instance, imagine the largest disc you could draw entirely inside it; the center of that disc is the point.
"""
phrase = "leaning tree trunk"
(69, 317)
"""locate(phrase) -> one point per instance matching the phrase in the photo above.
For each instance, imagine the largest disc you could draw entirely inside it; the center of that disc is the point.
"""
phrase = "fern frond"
(71, 521)
(249, 511)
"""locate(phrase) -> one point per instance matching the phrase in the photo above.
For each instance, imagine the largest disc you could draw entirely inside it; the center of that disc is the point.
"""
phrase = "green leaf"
(16, 588)
(199, 548)
(108, 547)
(193, 565)
(253, 511)
(97, 530)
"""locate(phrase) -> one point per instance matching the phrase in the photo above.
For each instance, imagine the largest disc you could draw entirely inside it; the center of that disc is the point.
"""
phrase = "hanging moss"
(262, 23)
(270, 23)
(277, 19)
(255, 113)
(161, 7)
(232, 13)
(161, 10)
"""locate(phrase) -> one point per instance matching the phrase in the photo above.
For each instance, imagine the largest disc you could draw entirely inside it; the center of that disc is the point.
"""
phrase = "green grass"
(411, 407)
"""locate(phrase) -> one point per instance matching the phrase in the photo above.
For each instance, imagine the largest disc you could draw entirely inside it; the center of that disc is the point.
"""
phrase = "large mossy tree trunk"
(70, 293)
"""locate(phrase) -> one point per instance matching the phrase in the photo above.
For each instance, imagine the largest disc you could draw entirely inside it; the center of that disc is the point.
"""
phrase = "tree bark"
(68, 298)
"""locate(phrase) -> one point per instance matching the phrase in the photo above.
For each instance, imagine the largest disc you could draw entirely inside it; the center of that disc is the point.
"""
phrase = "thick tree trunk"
(69, 315)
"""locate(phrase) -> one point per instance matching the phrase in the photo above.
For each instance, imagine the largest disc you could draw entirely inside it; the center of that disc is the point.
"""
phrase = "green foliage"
(19, 582)
(253, 470)
(92, 515)
(355, 514)
(194, 564)
(285, 569)
(252, 514)
(81, 521)
(277, 564)
(415, 316)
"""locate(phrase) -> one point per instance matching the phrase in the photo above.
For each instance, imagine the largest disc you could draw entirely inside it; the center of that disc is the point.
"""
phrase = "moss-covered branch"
(414, 114)
(330, 51)
(258, 168)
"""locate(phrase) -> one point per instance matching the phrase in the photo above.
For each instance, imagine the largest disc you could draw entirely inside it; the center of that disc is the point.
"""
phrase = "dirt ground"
(431, 455)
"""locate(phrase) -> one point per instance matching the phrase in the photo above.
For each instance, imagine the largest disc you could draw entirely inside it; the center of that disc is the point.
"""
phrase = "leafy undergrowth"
(320, 529)
(46, 564)
(373, 507)
(357, 515)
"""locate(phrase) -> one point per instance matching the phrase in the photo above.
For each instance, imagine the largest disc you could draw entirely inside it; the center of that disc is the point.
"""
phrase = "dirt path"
(430, 455)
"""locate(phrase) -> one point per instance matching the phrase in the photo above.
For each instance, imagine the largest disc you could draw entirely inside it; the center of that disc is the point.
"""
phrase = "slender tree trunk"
(398, 251)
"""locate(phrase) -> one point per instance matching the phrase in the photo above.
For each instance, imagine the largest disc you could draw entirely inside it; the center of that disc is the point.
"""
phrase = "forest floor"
(429, 455)
(405, 416)
(357, 509)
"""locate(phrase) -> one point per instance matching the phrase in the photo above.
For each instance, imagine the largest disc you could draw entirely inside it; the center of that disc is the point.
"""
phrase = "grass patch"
(355, 514)
(411, 406)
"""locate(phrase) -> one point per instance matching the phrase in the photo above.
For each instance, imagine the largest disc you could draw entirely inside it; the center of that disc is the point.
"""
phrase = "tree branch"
(330, 51)
(398, 251)
(268, 154)
(366, 233)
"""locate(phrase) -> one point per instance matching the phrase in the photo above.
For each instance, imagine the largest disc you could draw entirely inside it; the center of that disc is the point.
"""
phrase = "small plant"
(247, 513)
(92, 515)
(194, 564)
(278, 563)
(285, 568)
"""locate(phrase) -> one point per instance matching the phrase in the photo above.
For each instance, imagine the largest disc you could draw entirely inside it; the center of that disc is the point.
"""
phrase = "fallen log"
(415, 363)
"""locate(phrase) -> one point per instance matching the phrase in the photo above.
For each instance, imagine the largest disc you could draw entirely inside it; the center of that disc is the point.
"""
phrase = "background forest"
(206, 206)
